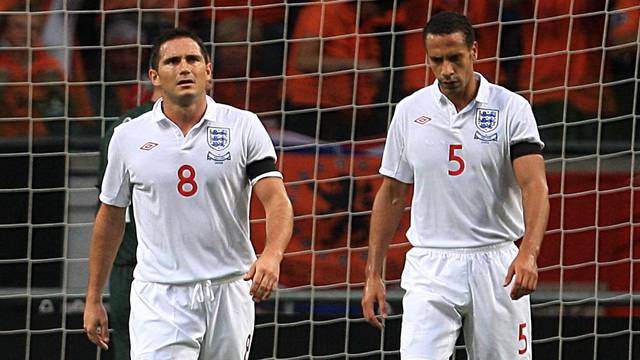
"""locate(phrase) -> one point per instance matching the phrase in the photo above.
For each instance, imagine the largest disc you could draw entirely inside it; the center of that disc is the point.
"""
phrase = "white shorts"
(202, 320)
(447, 289)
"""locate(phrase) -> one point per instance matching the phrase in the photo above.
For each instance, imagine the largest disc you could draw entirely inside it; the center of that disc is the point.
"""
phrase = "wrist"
(526, 249)
(93, 298)
(278, 254)
(371, 273)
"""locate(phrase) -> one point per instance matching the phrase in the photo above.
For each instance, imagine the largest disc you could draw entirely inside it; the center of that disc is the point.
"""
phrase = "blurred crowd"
(324, 69)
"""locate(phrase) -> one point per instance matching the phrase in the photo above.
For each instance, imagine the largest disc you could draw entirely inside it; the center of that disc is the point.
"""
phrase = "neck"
(185, 115)
(462, 99)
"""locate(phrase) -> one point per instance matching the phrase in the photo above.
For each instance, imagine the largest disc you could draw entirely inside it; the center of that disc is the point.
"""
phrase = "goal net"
(324, 77)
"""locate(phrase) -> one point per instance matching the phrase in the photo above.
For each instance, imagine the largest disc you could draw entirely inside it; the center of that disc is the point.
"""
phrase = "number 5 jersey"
(465, 193)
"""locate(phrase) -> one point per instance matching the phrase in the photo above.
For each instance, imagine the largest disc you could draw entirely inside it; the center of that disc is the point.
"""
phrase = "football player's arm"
(279, 227)
(388, 207)
(530, 174)
(105, 241)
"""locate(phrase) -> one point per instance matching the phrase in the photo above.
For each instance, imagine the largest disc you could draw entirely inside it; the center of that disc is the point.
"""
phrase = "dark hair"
(448, 22)
(172, 34)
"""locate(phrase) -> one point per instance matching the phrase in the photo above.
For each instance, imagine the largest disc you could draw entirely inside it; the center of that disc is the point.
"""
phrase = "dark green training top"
(127, 251)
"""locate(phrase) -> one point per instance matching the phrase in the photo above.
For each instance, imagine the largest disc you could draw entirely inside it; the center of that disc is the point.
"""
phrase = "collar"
(482, 96)
(209, 113)
(483, 89)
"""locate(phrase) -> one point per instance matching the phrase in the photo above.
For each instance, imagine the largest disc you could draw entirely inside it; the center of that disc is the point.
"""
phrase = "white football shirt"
(191, 193)
(465, 193)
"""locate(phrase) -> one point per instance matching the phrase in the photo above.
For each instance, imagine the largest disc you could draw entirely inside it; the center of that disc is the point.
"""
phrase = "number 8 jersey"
(465, 193)
(190, 193)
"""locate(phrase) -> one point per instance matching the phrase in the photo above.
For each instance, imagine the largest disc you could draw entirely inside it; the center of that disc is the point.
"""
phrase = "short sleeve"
(259, 147)
(104, 145)
(522, 125)
(394, 160)
(116, 186)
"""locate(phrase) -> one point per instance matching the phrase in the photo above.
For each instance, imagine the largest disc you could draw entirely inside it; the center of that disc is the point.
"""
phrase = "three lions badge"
(486, 122)
(218, 139)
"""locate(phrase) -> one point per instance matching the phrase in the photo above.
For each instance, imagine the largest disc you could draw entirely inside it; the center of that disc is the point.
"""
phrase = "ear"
(154, 77)
(426, 54)
(474, 50)
(209, 70)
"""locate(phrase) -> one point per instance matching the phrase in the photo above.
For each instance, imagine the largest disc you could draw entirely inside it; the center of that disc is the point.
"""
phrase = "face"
(182, 73)
(451, 61)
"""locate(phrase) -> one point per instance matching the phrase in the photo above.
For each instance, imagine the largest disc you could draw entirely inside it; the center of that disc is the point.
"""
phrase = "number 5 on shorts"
(522, 338)
(187, 185)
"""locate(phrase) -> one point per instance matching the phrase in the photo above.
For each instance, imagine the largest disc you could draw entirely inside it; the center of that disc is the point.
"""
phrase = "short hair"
(448, 22)
(172, 34)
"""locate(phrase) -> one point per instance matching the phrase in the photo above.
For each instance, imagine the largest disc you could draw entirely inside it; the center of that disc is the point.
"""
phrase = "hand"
(374, 291)
(96, 324)
(264, 273)
(525, 269)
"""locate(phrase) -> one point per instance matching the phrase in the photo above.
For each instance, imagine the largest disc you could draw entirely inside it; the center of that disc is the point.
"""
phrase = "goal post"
(324, 78)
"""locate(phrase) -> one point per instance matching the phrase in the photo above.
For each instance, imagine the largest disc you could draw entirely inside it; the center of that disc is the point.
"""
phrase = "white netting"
(69, 69)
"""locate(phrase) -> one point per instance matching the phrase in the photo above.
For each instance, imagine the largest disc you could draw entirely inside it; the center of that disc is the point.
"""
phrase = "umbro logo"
(148, 146)
(422, 120)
